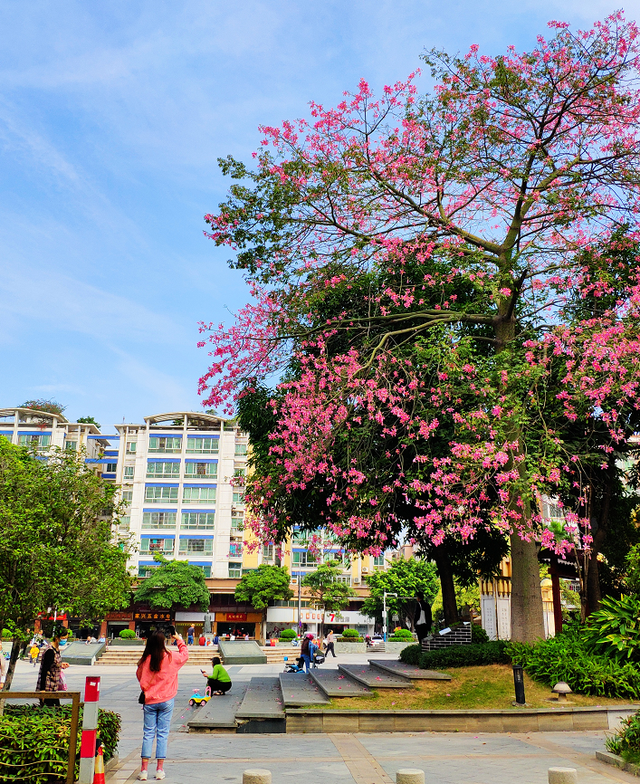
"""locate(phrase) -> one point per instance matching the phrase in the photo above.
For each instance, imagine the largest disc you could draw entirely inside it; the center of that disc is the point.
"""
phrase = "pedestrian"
(158, 676)
(422, 618)
(50, 677)
(33, 652)
(330, 642)
(202, 640)
(307, 649)
(216, 639)
(219, 681)
(190, 634)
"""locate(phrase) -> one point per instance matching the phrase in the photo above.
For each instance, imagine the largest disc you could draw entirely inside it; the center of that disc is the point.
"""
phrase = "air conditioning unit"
(356, 581)
(365, 571)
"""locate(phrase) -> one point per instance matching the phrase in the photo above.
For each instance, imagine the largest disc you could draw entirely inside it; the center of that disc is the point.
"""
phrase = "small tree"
(41, 404)
(263, 585)
(87, 420)
(406, 578)
(56, 545)
(174, 584)
(325, 589)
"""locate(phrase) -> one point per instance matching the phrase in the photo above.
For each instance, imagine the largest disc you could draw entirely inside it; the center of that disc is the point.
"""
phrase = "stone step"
(410, 671)
(335, 684)
(300, 691)
(374, 678)
(219, 713)
(262, 700)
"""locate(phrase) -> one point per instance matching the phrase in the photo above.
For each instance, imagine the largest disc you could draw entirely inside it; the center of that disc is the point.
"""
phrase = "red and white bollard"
(89, 730)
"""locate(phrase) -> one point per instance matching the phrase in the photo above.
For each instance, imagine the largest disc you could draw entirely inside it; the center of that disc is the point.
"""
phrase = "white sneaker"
(160, 774)
(143, 775)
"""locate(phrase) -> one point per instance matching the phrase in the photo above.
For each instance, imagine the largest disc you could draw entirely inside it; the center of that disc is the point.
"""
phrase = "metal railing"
(74, 696)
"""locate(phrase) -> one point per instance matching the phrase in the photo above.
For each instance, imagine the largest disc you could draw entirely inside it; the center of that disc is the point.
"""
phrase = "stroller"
(298, 666)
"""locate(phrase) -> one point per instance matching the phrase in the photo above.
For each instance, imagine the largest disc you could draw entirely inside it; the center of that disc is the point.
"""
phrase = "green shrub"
(287, 634)
(411, 654)
(614, 630)
(626, 741)
(351, 639)
(350, 633)
(478, 634)
(473, 655)
(564, 658)
(6, 634)
(401, 635)
(39, 738)
(127, 634)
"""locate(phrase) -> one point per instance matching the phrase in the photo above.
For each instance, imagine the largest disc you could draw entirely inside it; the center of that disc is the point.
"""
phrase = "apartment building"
(43, 431)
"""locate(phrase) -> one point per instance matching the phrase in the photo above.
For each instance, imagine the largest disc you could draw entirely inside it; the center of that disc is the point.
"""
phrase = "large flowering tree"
(502, 182)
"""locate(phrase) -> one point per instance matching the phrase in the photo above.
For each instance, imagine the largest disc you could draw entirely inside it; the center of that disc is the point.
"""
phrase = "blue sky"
(112, 117)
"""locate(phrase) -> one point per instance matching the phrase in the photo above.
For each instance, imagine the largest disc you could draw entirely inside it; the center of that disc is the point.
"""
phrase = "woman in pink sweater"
(158, 675)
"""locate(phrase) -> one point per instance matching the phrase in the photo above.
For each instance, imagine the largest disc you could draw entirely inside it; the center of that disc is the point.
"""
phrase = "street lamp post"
(384, 612)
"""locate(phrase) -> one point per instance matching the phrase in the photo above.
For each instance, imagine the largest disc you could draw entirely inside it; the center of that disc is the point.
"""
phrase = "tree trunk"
(448, 588)
(527, 620)
(15, 652)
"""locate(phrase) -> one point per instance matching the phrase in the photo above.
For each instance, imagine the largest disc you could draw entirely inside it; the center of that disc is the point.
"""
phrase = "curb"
(618, 762)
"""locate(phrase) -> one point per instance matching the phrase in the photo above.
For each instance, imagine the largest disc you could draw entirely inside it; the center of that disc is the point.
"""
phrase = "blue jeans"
(307, 662)
(157, 720)
(190, 639)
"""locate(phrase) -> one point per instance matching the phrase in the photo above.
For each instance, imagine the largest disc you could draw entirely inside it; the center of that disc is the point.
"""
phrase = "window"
(196, 546)
(241, 449)
(300, 537)
(378, 561)
(163, 470)
(237, 521)
(131, 447)
(267, 552)
(303, 558)
(156, 546)
(239, 472)
(235, 549)
(161, 495)
(111, 468)
(343, 578)
(145, 570)
(71, 446)
(201, 469)
(235, 569)
(39, 442)
(202, 445)
(198, 520)
(129, 471)
(238, 497)
(165, 444)
(159, 520)
(198, 495)
(124, 523)
(206, 570)
(127, 495)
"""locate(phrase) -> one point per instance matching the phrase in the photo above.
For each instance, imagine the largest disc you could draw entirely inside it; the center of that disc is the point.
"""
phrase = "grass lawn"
(470, 688)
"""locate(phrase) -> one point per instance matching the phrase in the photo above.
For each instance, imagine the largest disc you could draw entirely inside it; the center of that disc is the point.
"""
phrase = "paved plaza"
(446, 758)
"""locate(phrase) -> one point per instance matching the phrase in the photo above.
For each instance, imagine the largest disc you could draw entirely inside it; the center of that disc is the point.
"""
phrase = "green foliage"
(351, 639)
(34, 742)
(263, 585)
(614, 630)
(174, 584)
(401, 634)
(466, 655)
(6, 634)
(626, 742)
(87, 420)
(564, 658)
(288, 634)
(57, 547)
(325, 589)
(127, 634)
(411, 654)
(478, 634)
(633, 569)
(347, 633)
(406, 577)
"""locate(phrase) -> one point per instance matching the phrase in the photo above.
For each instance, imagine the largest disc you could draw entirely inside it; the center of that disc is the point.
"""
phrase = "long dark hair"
(155, 649)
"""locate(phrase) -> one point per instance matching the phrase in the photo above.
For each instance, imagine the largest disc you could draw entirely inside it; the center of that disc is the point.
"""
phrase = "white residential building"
(176, 473)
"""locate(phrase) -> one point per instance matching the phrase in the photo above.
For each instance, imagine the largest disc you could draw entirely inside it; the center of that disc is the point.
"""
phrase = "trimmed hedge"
(34, 742)
(411, 654)
(287, 634)
(478, 634)
(564, 658)
(401, 635)
(350, 633)
(127, 634)
(472, 655)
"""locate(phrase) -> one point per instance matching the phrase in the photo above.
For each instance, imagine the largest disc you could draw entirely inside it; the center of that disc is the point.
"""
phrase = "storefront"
(279, 618)
(238, 625)
(147, 621)
(115, 622)
(185, 619)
